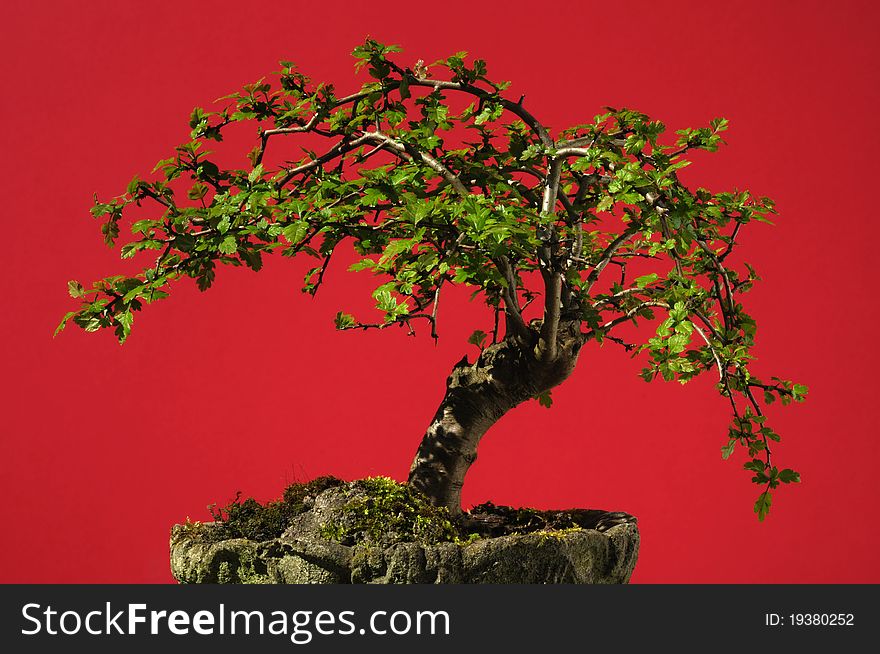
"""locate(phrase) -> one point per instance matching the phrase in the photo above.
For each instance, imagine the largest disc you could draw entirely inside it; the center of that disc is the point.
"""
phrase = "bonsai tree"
(436, 178)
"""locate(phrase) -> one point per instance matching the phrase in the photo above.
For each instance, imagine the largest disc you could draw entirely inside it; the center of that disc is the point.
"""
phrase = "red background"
(248, 387)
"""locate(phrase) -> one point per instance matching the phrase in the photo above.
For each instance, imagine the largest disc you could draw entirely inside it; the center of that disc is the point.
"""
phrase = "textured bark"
(477, 394)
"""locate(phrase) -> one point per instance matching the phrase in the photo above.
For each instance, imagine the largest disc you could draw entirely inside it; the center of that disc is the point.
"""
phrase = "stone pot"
(602, 552)
(586, 556)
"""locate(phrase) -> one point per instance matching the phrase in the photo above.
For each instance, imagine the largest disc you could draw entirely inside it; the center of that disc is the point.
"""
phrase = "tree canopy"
(436, 178)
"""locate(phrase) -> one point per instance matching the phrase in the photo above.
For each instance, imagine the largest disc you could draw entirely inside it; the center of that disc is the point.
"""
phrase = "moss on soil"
(381, 511)
(388, 512)
(249, 519)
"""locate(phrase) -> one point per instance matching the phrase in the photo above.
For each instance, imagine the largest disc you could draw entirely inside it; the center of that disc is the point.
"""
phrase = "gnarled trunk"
(477, 394)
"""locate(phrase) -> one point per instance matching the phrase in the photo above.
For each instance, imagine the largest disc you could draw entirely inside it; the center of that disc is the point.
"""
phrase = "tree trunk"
(506, 374)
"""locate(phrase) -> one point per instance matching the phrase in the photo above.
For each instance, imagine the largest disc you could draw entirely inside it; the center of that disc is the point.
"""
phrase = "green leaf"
(799, 391)
(228, 245)
(100, 209)
(295, 232)
(197, 116)
(755, 464)
(719, 124)
(727, 450)
(605, 203)
(545, 399)
(206, 278)
(685, 327)
(110, 230)
(89, 323)
(490, 112)
(385, 301)
(372, 197)
(253, 259)
(134, 292)
(133, 185)
(63, 323)
(363, 264)
(678, 311)
(678, 343)
(634, 144)
(164, 163)
(645, 280)
(789, 476)
(477, 338)
(75, 289)
(197, 191)
(344, 320)
(184, 242)
(123, 325)
(256, 173)
(142, 226)
(762, 505)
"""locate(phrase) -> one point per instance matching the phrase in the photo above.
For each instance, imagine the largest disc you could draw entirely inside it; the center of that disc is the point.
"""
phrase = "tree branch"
(434, 309)
(732, 243)
(629, 314)
(607, 255)
(513, 107)
(431, 162)
(551, 187)
(712, 350)
(550, 325)
(264, 136)
(512, 312)
(337, 150)
(399, 320)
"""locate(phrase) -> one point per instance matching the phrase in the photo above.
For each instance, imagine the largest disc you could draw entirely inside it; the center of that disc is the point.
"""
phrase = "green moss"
(251, 570)
(242, 567)
(249, 519)
(193, 529)
(378, 512)
(224, 573)
(556, 534)
(386, 512)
